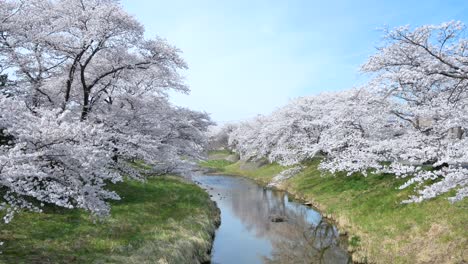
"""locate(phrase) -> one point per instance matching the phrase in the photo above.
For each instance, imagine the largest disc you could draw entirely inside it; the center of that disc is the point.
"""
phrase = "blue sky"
(248, 57)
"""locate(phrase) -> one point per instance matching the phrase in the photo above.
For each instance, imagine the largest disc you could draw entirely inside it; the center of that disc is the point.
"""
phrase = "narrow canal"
(260, 225)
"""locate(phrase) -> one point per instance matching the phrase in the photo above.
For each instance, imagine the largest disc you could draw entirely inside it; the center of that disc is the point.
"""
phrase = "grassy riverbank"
(380, 228)
(164, 220)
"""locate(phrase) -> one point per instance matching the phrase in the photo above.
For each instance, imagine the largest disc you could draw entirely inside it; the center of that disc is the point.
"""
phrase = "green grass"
(216, 164)
(221, 152)
(262, 174)
(163, 220)
(381, 229)
(222, 155)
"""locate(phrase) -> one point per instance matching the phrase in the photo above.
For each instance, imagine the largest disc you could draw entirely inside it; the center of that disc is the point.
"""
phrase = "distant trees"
(413, 112)
(91, 98)
(218, 136)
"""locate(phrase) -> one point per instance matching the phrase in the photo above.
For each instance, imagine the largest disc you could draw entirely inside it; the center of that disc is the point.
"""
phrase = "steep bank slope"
(380, 228)
(165, 220)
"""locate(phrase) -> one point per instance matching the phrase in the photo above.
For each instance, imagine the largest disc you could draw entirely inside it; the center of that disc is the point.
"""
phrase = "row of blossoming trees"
(410, 120)
(86, 97)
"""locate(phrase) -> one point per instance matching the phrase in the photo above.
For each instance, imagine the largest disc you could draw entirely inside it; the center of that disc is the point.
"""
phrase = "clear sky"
(248, 57)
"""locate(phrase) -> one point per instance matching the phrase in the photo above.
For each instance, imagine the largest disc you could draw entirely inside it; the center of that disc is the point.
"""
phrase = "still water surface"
(248, 233)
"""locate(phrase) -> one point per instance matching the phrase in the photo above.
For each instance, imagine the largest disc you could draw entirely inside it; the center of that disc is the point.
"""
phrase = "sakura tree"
(54, 160)
(218, 136)
(88, 99)
(290, 134)
(426, 70)
(410, 120)
(324, 124)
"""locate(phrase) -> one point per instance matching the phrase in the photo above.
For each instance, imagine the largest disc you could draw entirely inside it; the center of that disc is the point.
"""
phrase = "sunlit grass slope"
(164, 220)
(381, 229)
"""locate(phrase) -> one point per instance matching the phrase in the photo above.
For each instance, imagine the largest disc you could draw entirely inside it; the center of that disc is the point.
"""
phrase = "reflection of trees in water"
(293, 241)
(254, 205)
(306, 243)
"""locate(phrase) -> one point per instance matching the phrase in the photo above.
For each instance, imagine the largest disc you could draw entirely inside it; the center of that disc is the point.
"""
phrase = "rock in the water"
(277, 218)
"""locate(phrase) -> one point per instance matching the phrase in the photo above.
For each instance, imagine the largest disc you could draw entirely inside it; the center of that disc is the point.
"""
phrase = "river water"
(260, 225)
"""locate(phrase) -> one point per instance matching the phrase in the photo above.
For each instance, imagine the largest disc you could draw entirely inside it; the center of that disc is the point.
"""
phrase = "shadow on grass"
(147, 212)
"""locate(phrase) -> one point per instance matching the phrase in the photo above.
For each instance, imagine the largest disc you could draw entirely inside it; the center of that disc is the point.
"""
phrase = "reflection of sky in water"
(311, 215)
(247, 235)
(227, 249)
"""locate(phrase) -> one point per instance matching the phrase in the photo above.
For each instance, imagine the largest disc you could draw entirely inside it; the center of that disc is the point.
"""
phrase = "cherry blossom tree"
(410, 120)
(324, 124)
(53, 160)
(90, 103)
(426, 69)
(218, 136)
